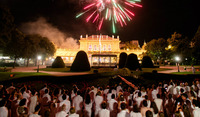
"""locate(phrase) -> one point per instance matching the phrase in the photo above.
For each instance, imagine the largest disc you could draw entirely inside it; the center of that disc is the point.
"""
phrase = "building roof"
(102, 37)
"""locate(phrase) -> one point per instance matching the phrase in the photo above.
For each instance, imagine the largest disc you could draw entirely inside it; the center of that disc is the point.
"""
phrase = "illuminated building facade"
(102, 50)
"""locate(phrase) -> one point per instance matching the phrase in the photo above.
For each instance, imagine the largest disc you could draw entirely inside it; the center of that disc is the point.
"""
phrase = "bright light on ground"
(177, 58)
(39, 57)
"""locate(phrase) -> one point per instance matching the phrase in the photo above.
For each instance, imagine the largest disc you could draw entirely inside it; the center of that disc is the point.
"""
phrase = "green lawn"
(101, 70)
(151, 69)
(182, 73)
(7, 75)
(55, 69)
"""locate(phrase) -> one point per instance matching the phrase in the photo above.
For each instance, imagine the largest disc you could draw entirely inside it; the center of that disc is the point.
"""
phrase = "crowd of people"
(172, 99)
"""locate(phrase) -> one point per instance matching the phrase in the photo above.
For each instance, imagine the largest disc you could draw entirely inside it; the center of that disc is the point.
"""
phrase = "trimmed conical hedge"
(81, 62)
(122, 59)
(147, 62)
(58, 63)
(132, 62)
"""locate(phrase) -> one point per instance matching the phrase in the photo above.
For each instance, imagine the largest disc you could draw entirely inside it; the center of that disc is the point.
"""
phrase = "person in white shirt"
(154, 109)
(46, 95)
(66, 102)
(119, 88)
(170, 88)
(37, 110)
(139, 99)
(159, 102)
(111, 102)
(196, 111)
(109, 95)
(3, 109)
(135, 112)
(123, 112)
(104, 112)
(98, 100)
(88, 105)
(33, 102)
(78, 102)
(154, 92)
(72, 112)
(62, 113)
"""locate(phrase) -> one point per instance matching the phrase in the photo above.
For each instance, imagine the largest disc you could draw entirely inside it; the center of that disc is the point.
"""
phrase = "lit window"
(67, 58)
(95, 47)
(90, 47)
(109, 47)
(71, 58)
(104, 47)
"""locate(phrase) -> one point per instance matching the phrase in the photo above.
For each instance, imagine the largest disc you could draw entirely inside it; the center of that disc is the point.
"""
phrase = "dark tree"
(122, 59)
(37, 45)
(81, 62)
(196, 47)
(132, 62)
(58, 63)
(147, 62)
(14, 47)
(6, 26)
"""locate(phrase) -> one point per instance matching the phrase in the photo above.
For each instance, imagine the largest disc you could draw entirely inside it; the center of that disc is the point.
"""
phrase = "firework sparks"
(117, 11)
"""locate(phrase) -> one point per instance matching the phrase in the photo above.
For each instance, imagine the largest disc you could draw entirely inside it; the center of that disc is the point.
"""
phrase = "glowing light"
(116, 11)
(177, 58)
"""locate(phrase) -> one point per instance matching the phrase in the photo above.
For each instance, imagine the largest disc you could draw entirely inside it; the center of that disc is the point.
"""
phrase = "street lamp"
(39, 58)
(177, 58)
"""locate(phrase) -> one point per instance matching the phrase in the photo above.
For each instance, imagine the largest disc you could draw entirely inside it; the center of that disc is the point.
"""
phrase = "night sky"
(157, 18)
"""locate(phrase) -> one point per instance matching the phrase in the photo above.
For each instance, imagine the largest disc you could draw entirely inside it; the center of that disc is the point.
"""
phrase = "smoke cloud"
(45, 29)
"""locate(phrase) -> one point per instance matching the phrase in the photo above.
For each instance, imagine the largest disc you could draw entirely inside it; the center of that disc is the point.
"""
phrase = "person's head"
(170, 96)
(144, 103)
(195, 103)
(63, 108)
(23, 90)
(113, 96)
(184, 96)
(78, 93)
(161, 114)
(2, 102)
(64, 97)
(177, 114)
(182, 90)
(103, 105)
(123, 106)
(149, 113)
(22, 102)
(121, 97)
(33, 92)
(135, 108)
(19, 96)
(158, 95)
(37, 108)
(154, 106)
(98, 93)
(46, 91)
(146, 97)
(139, 94)
(88, 99)
(72, 110)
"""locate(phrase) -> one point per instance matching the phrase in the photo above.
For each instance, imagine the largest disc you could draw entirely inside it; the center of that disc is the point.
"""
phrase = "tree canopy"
(81, 62)
(156, 48)
(132, 62)
(122, 59)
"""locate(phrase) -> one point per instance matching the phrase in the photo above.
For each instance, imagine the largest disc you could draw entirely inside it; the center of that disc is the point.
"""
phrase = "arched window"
(90, 47)
(104, 47)
(95, 47)
(109, 47)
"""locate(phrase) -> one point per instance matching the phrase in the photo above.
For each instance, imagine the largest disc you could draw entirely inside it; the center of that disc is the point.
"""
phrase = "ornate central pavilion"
(102, 50)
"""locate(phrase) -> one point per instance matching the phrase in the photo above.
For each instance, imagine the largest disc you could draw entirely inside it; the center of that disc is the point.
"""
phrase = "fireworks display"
(115, 11)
